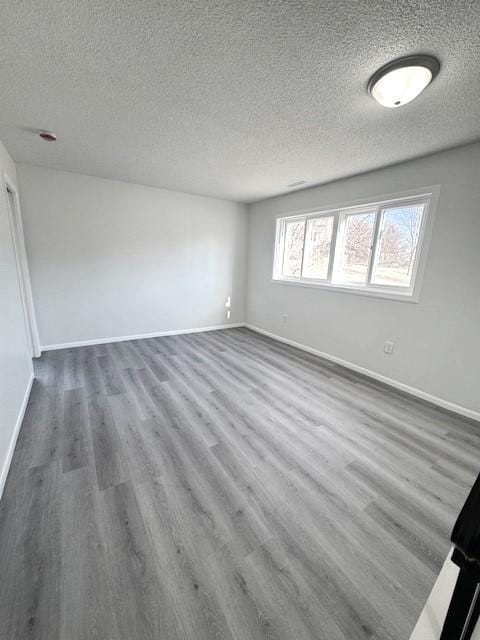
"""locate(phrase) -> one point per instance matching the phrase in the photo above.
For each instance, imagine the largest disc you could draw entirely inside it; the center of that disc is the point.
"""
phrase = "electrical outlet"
(284, 318)
(388, 347)
(228, 303)
(228, 314)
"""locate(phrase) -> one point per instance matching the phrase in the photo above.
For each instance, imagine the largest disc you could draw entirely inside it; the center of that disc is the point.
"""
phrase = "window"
(318, 238)
(373, 248)
(292, 256)
(397, 246)
(354, 243)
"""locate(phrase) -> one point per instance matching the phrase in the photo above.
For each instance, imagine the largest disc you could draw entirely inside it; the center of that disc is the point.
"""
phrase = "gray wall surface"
(437, 341)
(111, 259)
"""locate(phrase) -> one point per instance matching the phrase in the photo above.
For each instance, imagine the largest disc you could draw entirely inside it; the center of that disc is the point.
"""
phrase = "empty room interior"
(239, 325)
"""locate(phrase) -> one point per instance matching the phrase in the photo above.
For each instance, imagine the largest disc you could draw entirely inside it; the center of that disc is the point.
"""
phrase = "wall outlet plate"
(388, 347)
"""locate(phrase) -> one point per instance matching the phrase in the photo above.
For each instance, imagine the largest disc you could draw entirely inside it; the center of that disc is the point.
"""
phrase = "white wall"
(437, 341)
(15, 362)
(112, 259)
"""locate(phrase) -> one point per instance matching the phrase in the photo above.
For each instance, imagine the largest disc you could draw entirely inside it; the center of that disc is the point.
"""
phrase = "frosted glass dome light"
(402, 80)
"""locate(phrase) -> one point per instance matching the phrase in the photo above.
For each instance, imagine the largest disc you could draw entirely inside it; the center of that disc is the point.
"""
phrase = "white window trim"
(426, 195)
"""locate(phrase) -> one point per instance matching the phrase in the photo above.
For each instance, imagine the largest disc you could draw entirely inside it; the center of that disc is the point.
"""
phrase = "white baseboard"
(8, 459)
(418, 393)
(141, 336)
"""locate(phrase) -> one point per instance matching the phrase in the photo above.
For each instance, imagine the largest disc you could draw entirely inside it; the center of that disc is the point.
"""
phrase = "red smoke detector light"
(48, 136)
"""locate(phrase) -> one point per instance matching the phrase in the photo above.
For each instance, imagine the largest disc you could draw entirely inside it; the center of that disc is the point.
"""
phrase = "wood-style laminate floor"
(224, 486)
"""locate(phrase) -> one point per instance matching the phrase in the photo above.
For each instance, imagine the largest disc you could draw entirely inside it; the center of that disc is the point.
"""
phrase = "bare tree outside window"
(293, 251)
(317, 247)
(357, 244)
(397, 245)
(373, 247)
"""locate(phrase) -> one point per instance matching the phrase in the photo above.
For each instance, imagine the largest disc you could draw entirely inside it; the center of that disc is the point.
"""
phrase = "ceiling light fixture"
(402, 80)
(48, 136)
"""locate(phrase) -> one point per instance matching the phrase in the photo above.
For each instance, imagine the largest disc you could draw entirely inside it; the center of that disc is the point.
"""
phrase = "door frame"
(23, 273)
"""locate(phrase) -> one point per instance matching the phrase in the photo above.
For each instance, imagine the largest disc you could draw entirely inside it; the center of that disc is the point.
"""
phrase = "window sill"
(339, 288)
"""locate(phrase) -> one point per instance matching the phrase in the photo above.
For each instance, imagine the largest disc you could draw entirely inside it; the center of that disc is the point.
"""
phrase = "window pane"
(293, 251)
(356, 245)
(397, 246)
(317, 247)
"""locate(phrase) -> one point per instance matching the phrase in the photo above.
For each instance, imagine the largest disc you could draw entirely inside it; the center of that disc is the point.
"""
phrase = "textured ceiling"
(234, 99)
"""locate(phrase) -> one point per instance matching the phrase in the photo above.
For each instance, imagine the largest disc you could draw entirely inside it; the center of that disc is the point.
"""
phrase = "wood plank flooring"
(224, 486)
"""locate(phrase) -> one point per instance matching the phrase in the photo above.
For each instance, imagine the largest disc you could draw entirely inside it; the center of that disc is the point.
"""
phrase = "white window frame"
(427, 196)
